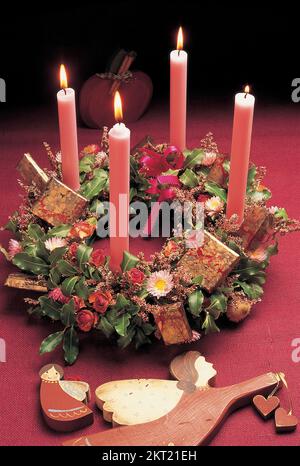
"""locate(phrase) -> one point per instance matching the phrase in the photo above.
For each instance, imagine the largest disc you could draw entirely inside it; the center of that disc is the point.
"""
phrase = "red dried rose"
(136, 276)
(92, 149)
(57, 295)
(100, 301)
(86, 320)
(97, 257)
(73, 249)
(79, 303)
(203, 198)
(170, 248)
(82, 230)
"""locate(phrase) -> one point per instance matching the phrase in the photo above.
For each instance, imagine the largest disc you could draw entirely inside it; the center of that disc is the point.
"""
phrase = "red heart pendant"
(266, 406)
(284, 421)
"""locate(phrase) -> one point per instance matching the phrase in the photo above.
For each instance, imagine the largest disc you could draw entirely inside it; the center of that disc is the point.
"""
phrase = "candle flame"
(118, 107)
(63, 77)
(180, 39)
(247, 89)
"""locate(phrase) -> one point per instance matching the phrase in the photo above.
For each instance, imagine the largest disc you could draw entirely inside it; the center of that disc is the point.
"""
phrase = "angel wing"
(127, 402)
(78, 390)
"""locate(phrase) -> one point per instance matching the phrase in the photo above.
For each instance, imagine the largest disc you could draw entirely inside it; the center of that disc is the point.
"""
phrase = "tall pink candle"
(68, 133)
(119, 181)
(178, 86)
(240, 152)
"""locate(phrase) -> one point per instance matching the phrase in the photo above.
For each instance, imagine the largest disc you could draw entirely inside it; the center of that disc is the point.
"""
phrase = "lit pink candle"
(240, 152)
(178, 85)
(119, 181)
(68, 133)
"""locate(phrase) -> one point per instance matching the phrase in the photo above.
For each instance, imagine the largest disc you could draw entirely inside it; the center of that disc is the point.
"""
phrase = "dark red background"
(260, 344)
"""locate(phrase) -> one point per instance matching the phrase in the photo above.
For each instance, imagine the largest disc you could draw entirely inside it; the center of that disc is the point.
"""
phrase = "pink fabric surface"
(260, 344)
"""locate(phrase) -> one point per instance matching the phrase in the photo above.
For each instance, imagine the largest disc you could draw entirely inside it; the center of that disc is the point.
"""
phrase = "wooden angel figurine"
(63, 402)
(186, 411)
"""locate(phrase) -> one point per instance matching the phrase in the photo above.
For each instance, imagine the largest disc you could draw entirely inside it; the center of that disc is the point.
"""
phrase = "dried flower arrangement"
(176, 295)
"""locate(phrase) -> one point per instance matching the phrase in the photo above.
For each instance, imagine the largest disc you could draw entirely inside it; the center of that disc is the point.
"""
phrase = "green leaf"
(148, 329)
(216, 190)
(123, 342)
(252, 290)
(81, 289)
(281, 213)
(35, 232)
(105, 326)
(71, 345)
(122, 323)
(140, 338)
(30, 263)
(57, 254)
(68, 314)
(209, 325)
(121, 302)
(194, 158)
(86, 163)
(251, 177)
(54, 278)
(66, 269)
(68, 285)
(218, 304)
(12, 224)
(51, 342)
(132, 194)
(83, 255)
(41, 251)
(195, 302)
(259, 196)
(93, 188)
(129, 261)
(50, 308)
(188, 178)
(61, 231)
(197, 280)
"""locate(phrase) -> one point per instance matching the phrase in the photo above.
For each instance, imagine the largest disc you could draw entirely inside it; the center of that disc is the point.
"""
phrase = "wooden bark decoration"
(172, 323)
(32, 173)
(217, 173)
(213, 262)
(26, 282)
(192, 421)
(63, 402)
(59, 204)
(255, 216)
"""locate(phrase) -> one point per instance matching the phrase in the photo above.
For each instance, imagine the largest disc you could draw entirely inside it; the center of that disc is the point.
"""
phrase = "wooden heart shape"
(266, 406)
(284, 421)
(96, 104)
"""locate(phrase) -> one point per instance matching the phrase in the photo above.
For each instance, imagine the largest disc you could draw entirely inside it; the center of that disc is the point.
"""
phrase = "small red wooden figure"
(63, 401)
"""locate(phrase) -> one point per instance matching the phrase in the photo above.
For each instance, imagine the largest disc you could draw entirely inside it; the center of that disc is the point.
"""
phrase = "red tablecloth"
(262, 343)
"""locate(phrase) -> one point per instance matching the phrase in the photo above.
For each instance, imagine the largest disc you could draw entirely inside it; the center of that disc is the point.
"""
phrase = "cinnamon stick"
(126, 64)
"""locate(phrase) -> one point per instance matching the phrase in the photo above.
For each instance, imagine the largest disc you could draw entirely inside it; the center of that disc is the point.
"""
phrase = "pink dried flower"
(259, 254)
(208, 159)
(14, 247)
(57, 295)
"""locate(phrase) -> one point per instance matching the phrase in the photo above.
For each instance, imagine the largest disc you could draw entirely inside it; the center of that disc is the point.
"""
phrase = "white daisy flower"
(214, 205)
(160, 283)
(54, 243)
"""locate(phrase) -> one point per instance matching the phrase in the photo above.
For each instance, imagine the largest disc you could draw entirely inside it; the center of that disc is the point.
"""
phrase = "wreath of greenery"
(85, 296)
